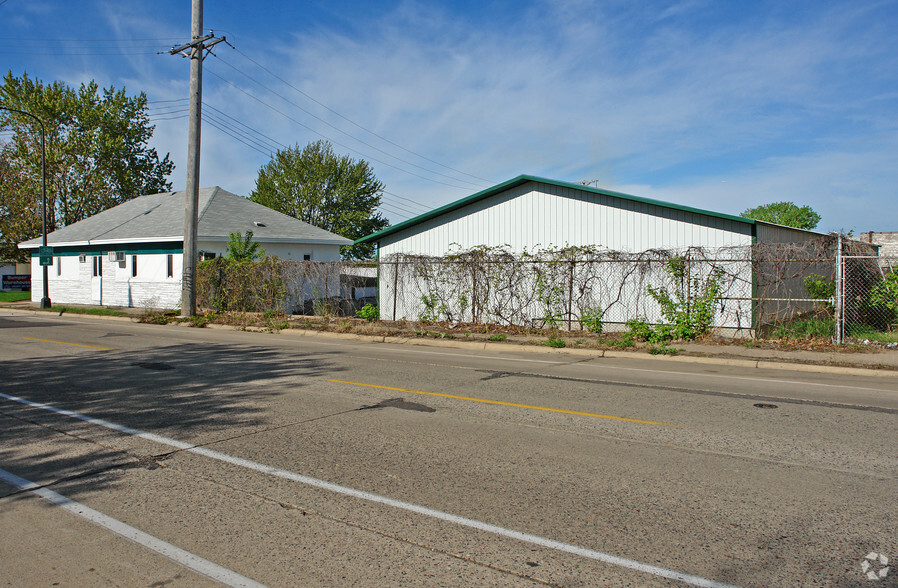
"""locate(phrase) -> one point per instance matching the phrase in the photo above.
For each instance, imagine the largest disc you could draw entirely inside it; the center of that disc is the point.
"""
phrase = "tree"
(97, 155)
(333, 192)
(785, 213)
(244, 248)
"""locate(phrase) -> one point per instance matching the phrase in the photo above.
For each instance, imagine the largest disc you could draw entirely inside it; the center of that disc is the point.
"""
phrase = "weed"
(863, 332)
(624, 342)
(369, 312)
(663, 349)
(498, 337)
(201, 320)
(94, 311)
(591, 319)
(805, 329)
(555, 341)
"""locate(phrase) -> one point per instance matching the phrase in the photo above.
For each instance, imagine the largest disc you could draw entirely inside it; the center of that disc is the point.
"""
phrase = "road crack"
(367, 529)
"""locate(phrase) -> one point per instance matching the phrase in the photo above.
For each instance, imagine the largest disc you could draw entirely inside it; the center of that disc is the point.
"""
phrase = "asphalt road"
(169, 456)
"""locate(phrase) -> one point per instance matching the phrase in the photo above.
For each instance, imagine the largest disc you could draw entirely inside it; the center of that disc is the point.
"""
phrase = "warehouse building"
(528, 213)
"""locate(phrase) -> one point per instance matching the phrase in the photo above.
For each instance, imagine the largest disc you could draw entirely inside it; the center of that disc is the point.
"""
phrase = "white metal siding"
(536, 215)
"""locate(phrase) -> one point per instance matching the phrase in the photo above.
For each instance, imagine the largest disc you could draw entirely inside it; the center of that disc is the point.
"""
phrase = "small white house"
(132, 254)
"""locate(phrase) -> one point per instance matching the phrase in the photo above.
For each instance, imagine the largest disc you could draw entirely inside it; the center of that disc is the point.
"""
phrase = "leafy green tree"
(243, 248)
(97, 155)
(333, 192)
(785, 213)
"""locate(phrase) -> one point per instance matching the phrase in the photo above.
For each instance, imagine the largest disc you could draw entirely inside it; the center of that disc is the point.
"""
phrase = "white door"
(96, 281)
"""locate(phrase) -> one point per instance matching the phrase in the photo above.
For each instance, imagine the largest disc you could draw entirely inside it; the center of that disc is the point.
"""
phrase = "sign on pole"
(45, 253)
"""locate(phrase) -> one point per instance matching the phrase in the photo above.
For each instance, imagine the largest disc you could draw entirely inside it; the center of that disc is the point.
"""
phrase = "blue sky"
(719, 105)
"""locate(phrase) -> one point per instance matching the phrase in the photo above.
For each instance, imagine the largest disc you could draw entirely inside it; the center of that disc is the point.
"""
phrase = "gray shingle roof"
(160, 217)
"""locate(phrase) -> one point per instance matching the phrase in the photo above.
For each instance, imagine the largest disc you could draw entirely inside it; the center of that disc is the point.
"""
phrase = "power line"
(407, 200)
(79, 52)
(329, 109)
(84, 40)
(175, 111)
(256, 131)
(239, 132)
(400, 207)
(401, 215)
(235, 137)
(290, 118)
(339, 130)
(155, 119)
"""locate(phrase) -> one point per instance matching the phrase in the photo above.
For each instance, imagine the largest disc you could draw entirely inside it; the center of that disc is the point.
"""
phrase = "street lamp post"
(45, 301)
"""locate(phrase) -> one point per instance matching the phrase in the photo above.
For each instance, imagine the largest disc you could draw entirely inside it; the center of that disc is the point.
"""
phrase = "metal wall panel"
(537, 215)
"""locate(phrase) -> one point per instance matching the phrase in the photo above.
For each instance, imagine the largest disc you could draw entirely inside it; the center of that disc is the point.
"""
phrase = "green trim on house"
(523, 179)
(128, 249)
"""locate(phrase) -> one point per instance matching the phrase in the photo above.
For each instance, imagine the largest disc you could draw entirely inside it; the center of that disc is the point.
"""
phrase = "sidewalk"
(850, 359)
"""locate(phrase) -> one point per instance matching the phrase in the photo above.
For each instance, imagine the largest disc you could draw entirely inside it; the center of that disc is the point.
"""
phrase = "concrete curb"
(498, 347)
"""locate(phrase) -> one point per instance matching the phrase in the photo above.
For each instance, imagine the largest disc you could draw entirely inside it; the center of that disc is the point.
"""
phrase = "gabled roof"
(160, 218)
(523, 179)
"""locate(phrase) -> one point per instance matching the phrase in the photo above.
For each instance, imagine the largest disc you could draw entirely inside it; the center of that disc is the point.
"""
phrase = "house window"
(169, 265)
(307, 257)
(98, 266)
(206, 255)
(82, 259)
(133, 266)
(58, 266)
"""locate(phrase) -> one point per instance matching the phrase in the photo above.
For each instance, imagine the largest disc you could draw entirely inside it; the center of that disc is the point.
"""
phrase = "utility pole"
(196, 50)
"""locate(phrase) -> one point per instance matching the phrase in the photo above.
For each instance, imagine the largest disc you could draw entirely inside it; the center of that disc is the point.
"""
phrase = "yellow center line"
(499, 402)
(65, 343)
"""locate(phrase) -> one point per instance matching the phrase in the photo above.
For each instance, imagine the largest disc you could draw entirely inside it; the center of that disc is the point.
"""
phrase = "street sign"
(45, 254)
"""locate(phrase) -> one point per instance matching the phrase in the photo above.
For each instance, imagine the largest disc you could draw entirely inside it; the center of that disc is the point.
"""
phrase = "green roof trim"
(523, 179)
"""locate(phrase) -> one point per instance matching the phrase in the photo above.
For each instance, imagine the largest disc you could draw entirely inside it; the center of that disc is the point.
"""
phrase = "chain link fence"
(830, 287)
(867, 299)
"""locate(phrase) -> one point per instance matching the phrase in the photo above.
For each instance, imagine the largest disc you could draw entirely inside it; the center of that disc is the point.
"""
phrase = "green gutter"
(523, 179)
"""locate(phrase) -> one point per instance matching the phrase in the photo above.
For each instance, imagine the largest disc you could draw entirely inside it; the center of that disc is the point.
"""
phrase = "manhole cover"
(153, 365)
(765, 405)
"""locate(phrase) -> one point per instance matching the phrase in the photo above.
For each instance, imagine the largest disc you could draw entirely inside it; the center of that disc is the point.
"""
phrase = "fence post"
(395, 284)
(473, 294)
(839, 292)
(570, 295)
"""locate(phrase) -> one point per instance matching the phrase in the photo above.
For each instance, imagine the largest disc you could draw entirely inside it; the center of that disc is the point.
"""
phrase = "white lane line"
(376, 498)
(176, 554)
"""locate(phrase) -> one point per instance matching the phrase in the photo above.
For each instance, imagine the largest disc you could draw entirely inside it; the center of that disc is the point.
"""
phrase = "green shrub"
(431, 313)
(591, 319)
(885, 293)
(369, 312)
(498, 337)
(820, 288)
(556, 342)
(687, 308)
